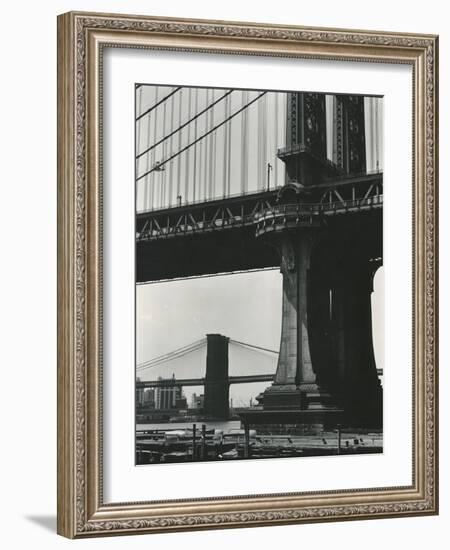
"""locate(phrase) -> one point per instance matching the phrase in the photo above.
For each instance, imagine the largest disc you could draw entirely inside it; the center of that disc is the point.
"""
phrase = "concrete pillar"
(216, 404)
(321, 305)
(360, 389)
(295, 384)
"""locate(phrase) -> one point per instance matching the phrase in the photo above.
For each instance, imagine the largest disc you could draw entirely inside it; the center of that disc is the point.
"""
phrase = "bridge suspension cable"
(215, 128)
(244, 146)
(179, 128)
(180, 352)
(257, 348)
(227, 155)
(158, 103)
(175, 354)
(190, 348)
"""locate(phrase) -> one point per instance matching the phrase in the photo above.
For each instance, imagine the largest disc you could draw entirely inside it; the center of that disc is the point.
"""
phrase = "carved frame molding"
(81, 37)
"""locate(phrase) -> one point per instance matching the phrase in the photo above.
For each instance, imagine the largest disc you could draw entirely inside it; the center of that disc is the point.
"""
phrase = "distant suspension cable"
(176, 354)
(168, 359)
(244, 345)
(172, 355)
(190, 348)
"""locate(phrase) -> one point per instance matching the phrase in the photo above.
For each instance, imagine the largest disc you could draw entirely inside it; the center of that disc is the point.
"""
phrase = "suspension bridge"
(184, 351)
(230, 180)
(210, 164)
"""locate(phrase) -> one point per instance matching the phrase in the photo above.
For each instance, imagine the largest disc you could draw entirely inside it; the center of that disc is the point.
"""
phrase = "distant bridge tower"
(216, 404)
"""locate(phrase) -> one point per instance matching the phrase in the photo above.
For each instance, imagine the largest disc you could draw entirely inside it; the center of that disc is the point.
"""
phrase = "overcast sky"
(243, 306)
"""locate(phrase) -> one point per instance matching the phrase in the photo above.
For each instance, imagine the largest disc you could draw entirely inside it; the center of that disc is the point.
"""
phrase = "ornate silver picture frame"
(83, 314)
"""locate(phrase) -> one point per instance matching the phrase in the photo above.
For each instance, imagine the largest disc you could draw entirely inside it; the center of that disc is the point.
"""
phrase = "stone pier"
(295, 385)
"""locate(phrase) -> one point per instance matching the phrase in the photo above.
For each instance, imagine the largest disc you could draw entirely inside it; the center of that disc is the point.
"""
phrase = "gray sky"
(244, 306)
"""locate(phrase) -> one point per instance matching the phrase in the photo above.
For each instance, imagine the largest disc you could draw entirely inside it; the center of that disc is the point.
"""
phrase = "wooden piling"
(203, 442)
(246, 441)
(194, 446)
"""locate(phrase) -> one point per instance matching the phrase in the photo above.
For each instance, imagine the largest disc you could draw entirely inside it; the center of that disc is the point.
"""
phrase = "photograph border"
(81, 39)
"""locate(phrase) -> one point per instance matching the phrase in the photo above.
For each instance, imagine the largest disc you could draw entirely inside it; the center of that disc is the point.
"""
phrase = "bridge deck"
(342, 196)
(201, 381)
(245, 379)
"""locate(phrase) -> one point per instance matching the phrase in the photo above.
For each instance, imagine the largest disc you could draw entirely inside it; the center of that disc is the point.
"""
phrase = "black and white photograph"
(259, 279)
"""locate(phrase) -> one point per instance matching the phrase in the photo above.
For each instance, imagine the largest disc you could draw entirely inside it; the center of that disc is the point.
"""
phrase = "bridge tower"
(326, 357)
(216, 404)
(296, 384)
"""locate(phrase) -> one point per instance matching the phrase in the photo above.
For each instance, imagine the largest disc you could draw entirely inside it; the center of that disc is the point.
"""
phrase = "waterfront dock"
(199, 443)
